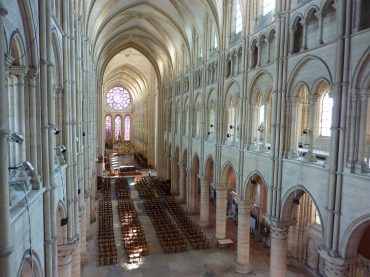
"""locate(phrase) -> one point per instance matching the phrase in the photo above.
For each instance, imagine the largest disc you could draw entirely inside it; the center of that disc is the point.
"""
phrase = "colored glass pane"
(118, 98)
(108, 126)
(127, 127)
(117, 125)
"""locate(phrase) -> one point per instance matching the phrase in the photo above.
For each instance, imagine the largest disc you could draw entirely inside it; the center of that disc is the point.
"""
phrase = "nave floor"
(212, 262)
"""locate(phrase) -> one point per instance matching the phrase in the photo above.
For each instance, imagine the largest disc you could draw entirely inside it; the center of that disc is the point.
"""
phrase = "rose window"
(118, 98)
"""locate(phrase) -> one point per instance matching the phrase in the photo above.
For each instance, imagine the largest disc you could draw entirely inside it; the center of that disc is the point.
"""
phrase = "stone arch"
(57, 59)
(352, 235)
(312, 22)
(262, 81)
(231, 88)
(176, 177)
(263, 48)
(29, 263)
(30, 32)
(361, 75)
(320, 85)
(62, 221)
(226, 171)
(303, 71)
(194, 190)
(255, 192)
(209, 168)
(297, 34)
(289, 208)
(250, 183)
(254, 53)
(17, 49)
(311, 9)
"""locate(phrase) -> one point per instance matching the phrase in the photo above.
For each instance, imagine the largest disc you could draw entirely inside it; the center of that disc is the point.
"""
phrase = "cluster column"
(6, 247)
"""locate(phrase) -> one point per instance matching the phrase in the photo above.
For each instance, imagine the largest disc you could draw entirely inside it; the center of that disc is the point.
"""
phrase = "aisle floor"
(209, 263)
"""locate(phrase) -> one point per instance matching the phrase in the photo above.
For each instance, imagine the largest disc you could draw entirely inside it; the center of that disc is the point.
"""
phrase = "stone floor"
(209, 263)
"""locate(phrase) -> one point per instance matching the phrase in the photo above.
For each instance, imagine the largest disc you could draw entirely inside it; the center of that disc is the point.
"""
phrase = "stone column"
(83, 249)
(204, 202)
(65, 260)
(18, 86)
(304, 38)
(362, 136)
(221, 205)
(32, 76)
(182, 183)
(88, 215)
(6, 247)
(335, 266)
(352, 133)
(321, 19)
(258, 46)
(293, 134)
(64, 263)
(76, 261)
(278, 250)
(11, 117)
(243, 264)
(310, 156)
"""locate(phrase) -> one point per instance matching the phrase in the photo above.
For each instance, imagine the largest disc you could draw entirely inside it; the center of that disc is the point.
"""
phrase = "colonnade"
(28, 107)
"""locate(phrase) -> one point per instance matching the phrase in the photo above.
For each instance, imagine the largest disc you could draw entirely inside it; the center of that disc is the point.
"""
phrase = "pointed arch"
(289, 208)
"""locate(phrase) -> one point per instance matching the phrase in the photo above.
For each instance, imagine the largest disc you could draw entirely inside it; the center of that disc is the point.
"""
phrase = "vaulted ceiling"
(157, 29)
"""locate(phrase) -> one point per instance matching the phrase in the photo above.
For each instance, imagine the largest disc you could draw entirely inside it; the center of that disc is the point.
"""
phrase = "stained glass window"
(118, 98)
(117, 127)
(326, 112)
(108, 126)
(127, 127)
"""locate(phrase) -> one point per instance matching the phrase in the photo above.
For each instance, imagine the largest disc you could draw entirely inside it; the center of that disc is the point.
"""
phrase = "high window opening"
(238, 17)
(215, 41)
(262, 114)
(268, 6)
(127, 127)
(117, 128)
(108, 126)
(118, 98)
(326, 114)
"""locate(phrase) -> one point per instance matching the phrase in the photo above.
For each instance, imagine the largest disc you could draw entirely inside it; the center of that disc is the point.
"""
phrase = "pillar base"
(293, 154)
(180, 199)
(244, 268)
(89, 235)
(84, 259)
(204, 224)
(309, 157)
(263, 148)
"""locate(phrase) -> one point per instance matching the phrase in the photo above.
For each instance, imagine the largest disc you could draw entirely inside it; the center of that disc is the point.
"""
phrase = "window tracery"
(118, 98)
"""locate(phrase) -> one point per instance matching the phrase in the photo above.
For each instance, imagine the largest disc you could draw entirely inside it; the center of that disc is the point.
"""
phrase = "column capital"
(203, 178)
(32, 73)
(278, 231)
(19, 71)
(242, 204)
(335, 266)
